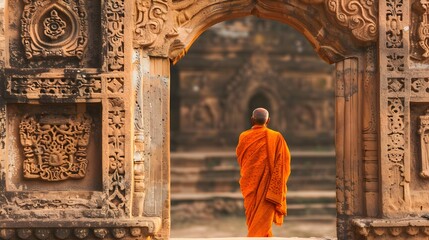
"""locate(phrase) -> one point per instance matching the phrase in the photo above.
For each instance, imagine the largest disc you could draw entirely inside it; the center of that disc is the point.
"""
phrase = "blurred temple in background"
(239, 65)
(233, 68)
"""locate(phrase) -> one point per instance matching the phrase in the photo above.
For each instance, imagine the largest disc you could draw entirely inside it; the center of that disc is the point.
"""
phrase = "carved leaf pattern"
(358, 15)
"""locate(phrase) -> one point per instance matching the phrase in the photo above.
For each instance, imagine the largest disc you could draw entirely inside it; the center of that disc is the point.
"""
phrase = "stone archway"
(70, 64)
(179, 23)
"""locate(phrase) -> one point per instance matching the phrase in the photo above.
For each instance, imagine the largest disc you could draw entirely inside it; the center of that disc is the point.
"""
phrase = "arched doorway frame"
(176, 25)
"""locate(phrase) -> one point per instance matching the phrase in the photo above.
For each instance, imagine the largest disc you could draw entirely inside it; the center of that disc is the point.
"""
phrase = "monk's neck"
(256, 126)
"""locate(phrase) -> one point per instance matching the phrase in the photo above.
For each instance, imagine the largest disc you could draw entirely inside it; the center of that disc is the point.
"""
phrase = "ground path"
(227, 227)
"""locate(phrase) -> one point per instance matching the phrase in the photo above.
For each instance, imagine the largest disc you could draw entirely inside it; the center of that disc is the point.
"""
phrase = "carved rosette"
(360, 16)
(55, 146)
(54, 28)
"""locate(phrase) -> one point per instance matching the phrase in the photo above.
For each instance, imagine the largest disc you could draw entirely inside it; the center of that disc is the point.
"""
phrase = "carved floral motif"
(394, 18)
(55, 146)
(116, 134)
(54, 28)
(115, 12)
(360, 16)
(395, 62)
(150, 17)
(420, 85)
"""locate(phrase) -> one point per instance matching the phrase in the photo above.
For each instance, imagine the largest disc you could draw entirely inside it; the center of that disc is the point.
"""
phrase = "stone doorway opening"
(234, 67)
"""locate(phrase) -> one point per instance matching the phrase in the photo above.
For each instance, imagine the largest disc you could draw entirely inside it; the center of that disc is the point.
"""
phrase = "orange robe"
(264, 160)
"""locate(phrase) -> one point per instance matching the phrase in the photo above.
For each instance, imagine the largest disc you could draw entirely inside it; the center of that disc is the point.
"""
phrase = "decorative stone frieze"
(60, 86)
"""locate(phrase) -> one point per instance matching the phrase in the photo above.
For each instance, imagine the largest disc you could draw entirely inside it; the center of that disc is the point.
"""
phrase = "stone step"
(202, 205)
(227, 181)
(219, 171)
(228, 158)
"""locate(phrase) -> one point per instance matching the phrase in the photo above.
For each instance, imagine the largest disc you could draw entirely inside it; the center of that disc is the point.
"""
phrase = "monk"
(264, 160)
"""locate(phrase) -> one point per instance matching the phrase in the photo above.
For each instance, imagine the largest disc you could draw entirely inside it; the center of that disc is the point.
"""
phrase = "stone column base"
(407, 228)
(102, 229)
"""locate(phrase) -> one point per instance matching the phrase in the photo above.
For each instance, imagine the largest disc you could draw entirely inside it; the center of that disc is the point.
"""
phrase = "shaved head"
(260, 116)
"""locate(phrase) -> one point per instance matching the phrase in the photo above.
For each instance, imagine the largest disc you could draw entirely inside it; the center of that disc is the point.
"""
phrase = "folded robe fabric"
(264, 160)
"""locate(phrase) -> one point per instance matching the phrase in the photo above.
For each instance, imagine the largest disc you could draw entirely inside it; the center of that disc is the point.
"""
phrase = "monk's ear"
(268, 120)
(252, 121)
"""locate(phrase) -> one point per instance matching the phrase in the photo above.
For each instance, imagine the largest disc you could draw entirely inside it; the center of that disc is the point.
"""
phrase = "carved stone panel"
(55, 146)
(424, 144)
(54, 33)
(420, 31)
(54, 28)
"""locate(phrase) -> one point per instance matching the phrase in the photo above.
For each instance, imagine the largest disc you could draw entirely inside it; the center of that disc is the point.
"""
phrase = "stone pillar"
(83, 125)
(348, 126)
(151, 86)
(403, 103)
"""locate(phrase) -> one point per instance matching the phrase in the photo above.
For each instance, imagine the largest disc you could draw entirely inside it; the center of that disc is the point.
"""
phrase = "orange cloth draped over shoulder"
(264, 159)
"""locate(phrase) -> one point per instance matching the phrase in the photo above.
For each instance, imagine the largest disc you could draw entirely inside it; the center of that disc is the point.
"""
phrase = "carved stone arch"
(341, 32)
(170, 29)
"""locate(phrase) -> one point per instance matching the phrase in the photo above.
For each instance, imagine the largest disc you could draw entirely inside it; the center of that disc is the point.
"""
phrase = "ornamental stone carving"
(55, 146)
(360, 16)
(168, 29)
(150, 17)
(54, 28)
(424, 143)
(423, 30)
